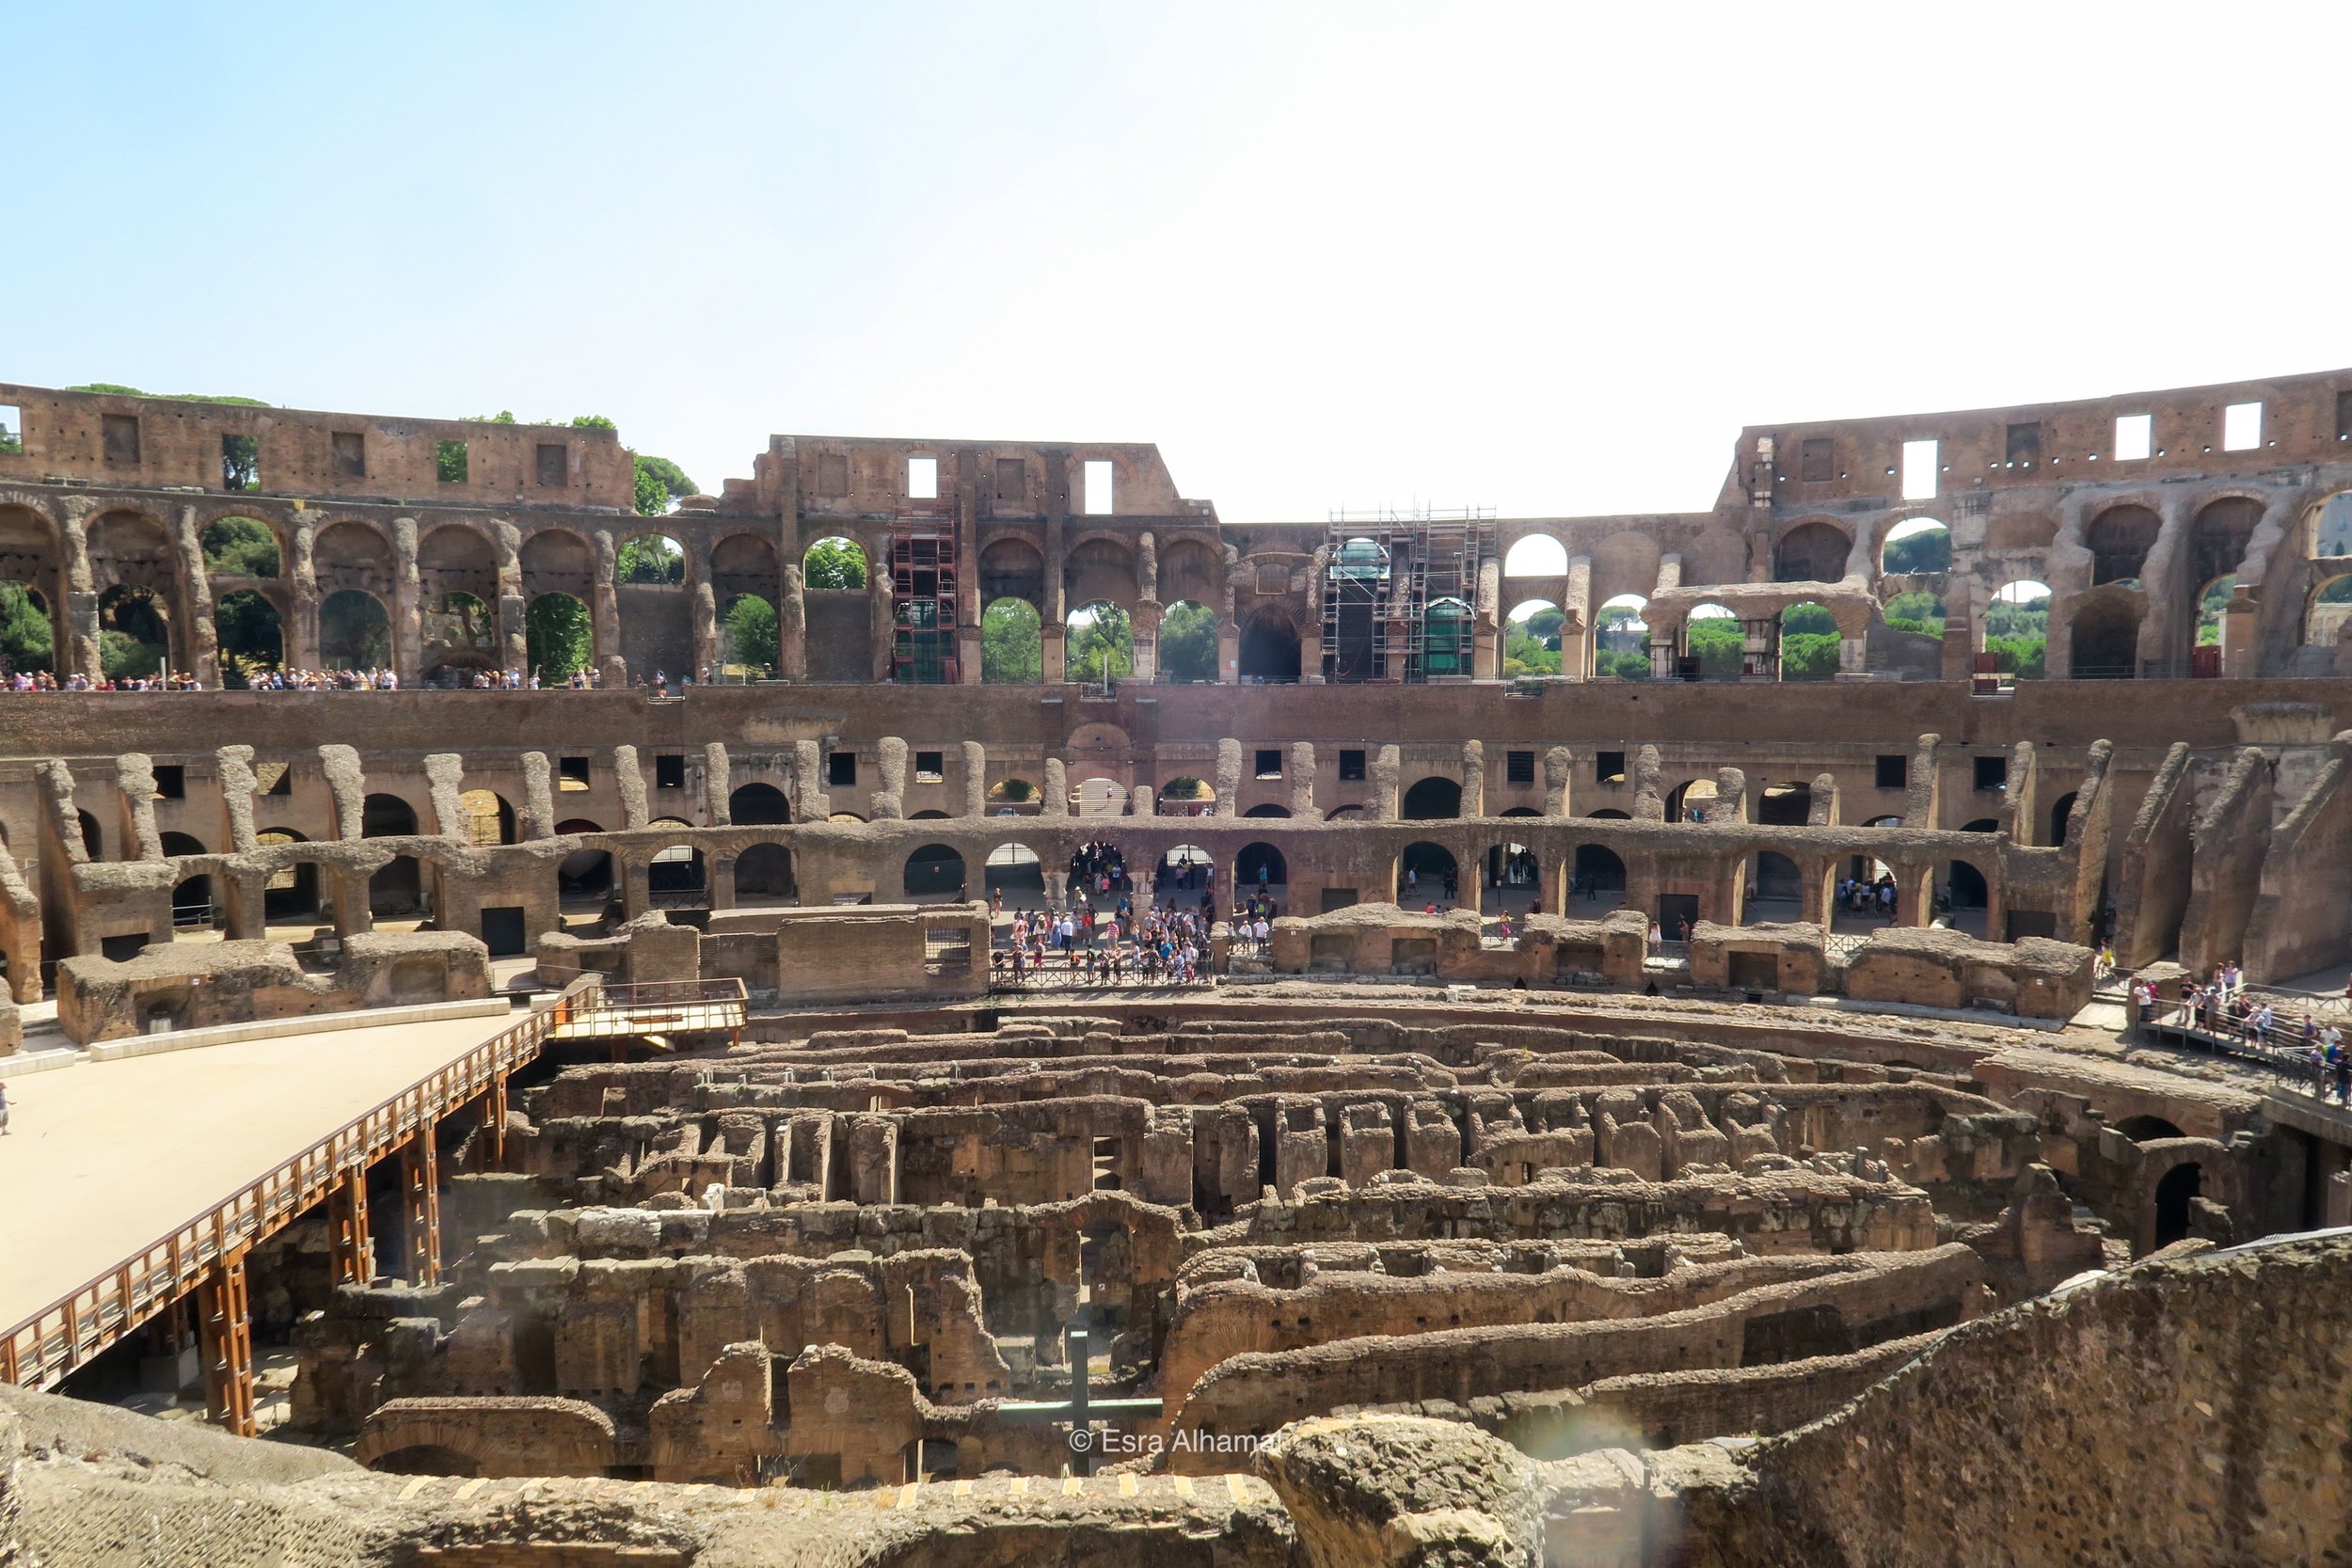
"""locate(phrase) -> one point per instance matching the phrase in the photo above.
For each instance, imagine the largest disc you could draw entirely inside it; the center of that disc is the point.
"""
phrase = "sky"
(1546, 260)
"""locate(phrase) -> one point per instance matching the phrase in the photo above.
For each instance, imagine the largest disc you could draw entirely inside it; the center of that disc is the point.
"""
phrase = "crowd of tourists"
(1860, 896)
(2299, 1043)
(43, 680)
(1158, 945)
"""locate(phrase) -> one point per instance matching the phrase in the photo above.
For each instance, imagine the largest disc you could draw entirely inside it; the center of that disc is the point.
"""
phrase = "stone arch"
(1269, 650)
(1188, 642)
(835, 563)
(1597, 879)
(1100, 565)
(1534, 633)
(1100, 640)
(934, 873)
(1813, 551)
(2220, 536)
(558, 560)
(1259, 856)
(30, 558)
(1915, 546)
(355, 555)
(1774, 878)
(2119, 540)
(1536, 555)
(1015, 798)
(1012, 643)
(650, 557)
(677, 874)
(507, 1437)
(2176, 1190)
(585, 872)
(291, 893)
(355, 630)
(744, 564)
(2329, 529)
(2019, 532)
(1422, 871)
(2015, 626)
(2107, 634)
(766, 871)
(758, 805)
(2061, 810)
(1625, 563)
(1430, 798)
(2327, 612)
(1012, 568)
(1269, 809)
(489, 817)
(1809, 642)
(1690, 798)
(1016, 871)
(1191, 570)
(249, 633)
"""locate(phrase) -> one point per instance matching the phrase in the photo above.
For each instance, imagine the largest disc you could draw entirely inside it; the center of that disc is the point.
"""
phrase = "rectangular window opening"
(1919, 469)
(449, 460)
(1097, 500)
(2023, 449)
(1895, 773)
(1519, 767)
(351, 454)
(923, 479)
(240, 463)
(550, 467)
(121, 433)
(1269, 762)
(1991, 772)
(172, 781)
(11, 430)
(840, 770)
(1608, 767)
(2135, 436)
(2242, 427)
(1816, 460)
(571, 773)
(669, 771)
(273, 777)
(1351, 767)
(930, 768)
(1013, 481)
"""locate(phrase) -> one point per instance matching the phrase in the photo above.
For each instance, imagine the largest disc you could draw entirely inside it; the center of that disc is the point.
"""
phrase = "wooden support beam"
(421, 1186)
(494, 1123)
(352, 1252)
(227, 1327)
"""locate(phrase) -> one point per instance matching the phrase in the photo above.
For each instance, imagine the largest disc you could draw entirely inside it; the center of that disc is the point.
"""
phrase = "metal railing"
(43, 1348)
(669, 994)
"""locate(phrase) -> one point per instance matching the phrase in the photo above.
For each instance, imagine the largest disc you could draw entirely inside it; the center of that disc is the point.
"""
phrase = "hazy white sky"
(1547, 259)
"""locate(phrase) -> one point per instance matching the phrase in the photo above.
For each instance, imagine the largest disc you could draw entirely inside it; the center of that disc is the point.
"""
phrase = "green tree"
(26, 642)
(240, 547)
(1808, 619)
(1719, 642)
(557, 634)
(122, 656)
(11, 440)
(2020, 656)
(591, 421)
(1011, 651)
(649, 558)
(1188, 644)
(1526, 655)
(449, 460)
(661, 484)
(1103, 646)
(835, 564)
(1928, 550)
(2011, 619)
(1619, 664)
(1918, 611)
(751, 634)
(1808, 657)
(249, 637)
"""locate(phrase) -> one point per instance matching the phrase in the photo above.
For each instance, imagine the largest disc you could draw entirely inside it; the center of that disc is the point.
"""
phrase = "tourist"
(3, 1110)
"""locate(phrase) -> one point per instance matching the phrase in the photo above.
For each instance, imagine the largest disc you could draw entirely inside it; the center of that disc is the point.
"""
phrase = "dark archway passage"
(2175, 1190)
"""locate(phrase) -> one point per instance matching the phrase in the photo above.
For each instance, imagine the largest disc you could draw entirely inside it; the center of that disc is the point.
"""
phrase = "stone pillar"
(882, 622)
(536, 820)
(888, 801)
(1487, 625)
(513, 608)
(203, 643)
(444, 782)
(301, 636)
(134, 785)
(968, 607)
(704, 599)
(718, 785)
(974, 780)
(1053, 615)
(1385, 764)
(1056, 789)
(1228, 624)
(408, 608)
(2238, 650)
(792, 626)
(1311, 639)
(721, 880)
(629, 780)
(1473, 778)
(606, 613)
(1559, 782)
(81, 591)
(810, 801)
(1301, 768)
(1228, 778)
(1146, 622)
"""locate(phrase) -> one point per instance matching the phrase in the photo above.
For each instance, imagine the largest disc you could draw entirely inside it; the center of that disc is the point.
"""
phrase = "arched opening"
(1100, 797)
(2330, 537)
(1687, 802)
(1426, 874)
(1610, 813)
(2176, 1190)
(1188, 642)
(1538, 555)
(2106, 637)
(1775, 889)
(2060, 810)
(763, 874)
(1596, 881)
(758, 805)
(1269, 653)
(2327, 613)
(652, 560)
(1621, 640)
(192, 898)
(1531, 639)
(2148, 1129)
(1714, 637)
(584, 876)
(2212, 619)
(397, 889)
(28, 634)
(1337, 814)
(134, 632)
(292, 893)
(935, 874)
(92, 844)
(354, 633)
(1808, 642)
(1445, 639)
(1014, 798)
(1357, 583)
(558, 638)
(460, 634)
(1100, 647)
(2220, 536)
(386, 817)
(834, 564)
(1185, 795)
(1011, 649)
(1514, 879)
(676, 877)
(1261, 868)
(249, 636)
(31, 588)
(1866, 893)
(239, 547)
(488, 818)
(2119, 539)
(2017, 629)
(1434, 797)
(1269, 809)
(1784, 805)
(747, 638)
(1917, 547)
(1811, 552)
(1187, 869)
(1014, 873)
(1961, 896)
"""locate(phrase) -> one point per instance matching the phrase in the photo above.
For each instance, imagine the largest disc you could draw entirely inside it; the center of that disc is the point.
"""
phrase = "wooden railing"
(43, 1348)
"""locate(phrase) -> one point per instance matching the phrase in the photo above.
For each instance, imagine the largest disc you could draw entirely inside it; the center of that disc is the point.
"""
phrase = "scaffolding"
(1400, 595)
(923, 606)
